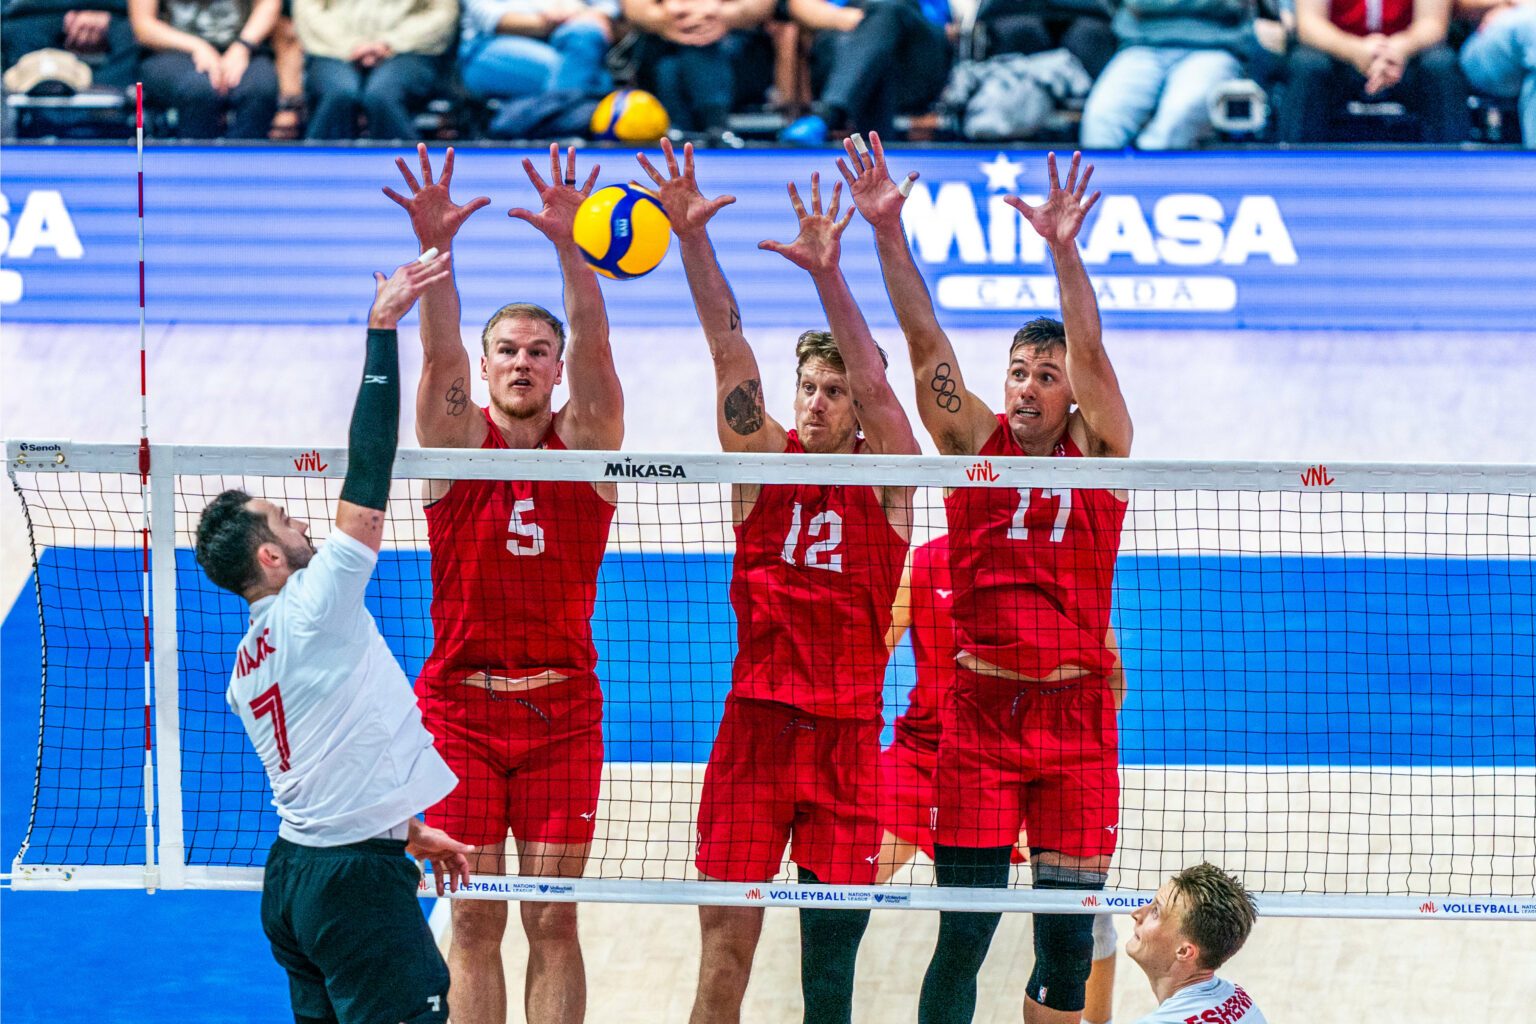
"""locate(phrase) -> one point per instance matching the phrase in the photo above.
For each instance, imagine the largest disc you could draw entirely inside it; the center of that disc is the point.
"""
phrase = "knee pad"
(1104, 937)
(1063, 942)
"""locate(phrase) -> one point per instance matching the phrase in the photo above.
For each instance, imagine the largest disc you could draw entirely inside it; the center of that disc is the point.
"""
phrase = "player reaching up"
(1029, 728)
(510, 689)
(332, 717)
(796, 759)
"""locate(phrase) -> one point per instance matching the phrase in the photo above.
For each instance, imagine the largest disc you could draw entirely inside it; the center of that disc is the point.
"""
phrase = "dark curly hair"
(228, 535)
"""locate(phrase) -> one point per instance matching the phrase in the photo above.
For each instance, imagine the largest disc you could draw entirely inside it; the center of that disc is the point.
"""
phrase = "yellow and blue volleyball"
(630, 115)
(622, 231)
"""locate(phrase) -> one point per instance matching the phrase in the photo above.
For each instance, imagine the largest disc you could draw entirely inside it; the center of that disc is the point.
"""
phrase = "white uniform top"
(329, 709)
(1216, 1001)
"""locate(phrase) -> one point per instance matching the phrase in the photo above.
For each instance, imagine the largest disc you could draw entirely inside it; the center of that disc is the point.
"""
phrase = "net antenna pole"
(144, 499)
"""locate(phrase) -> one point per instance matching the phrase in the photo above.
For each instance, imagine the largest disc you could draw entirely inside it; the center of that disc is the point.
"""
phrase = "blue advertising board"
(1271, 240)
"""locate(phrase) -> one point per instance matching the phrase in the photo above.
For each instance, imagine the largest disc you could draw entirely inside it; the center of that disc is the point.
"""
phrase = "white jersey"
(1216, 1001)
(329, 709)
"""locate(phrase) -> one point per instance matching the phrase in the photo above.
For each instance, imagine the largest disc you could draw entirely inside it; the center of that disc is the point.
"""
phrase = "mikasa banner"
(1267, 240)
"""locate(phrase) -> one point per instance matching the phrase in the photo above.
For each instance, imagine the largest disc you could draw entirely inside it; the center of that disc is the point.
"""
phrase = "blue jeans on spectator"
(701, 85)
(1318, 87)
(172, 80)
(570, 60)
(387, 91)
(1156, 97)
(1500, 60)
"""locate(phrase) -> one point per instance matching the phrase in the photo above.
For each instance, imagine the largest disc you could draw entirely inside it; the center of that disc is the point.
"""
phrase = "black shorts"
(346, 924)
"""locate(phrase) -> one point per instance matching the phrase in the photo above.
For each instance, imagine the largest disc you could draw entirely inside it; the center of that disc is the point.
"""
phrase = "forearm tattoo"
(735, 319)
(945, 391)
(744, 408)
(457, 398)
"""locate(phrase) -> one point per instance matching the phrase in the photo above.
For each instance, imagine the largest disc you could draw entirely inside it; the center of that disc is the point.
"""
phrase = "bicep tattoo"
(744, 408)
(457, 398)
(945, 391)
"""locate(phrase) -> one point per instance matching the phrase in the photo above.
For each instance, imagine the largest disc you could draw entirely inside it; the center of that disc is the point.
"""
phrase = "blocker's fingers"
(1082, 185)
(650, 168)
(905, 188)
(843, 224)
(447, 175)
(428, 256)
(1077, 159)
(877, 148)
(1090, 203)
(410, 179)
(671, 155)
(816, 193)
(1050, 163)
(397, 197)
(534, 176)
(837, 199)
(842, 168)
(794, 200)
(719, 203)
(570, 165)
(426, 163)
(521, 214)
(586, 189)
(688, 161)
(769, 245)
(475, 204)
(554, 163)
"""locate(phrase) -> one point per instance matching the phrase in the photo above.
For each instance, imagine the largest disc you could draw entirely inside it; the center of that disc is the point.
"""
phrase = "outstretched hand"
(1060, 217)
(394, 296)
(819, 245)
(687, 210)
(873, 192)
(435, 217)
(560, 196)
(449, 857)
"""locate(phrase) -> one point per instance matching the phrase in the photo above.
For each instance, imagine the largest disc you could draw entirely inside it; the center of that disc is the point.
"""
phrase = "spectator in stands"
(208, 59)
(1500, 57)
(1081, 27)
(97, 31)
(870, 60)
(702, 57)
(380, 55)
(1173, 54)
(527, 47)
(1377, 49)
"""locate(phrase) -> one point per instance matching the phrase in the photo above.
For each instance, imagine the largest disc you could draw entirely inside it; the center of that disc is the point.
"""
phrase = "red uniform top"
(1033, 569)
(933, 645)
(1363, 17)
(815, 574)
(514, 574)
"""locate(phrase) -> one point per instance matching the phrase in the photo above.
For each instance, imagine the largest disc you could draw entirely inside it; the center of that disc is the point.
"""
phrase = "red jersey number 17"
(1018, 531)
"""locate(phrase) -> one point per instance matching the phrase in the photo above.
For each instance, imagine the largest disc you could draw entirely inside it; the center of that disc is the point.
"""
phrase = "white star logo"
(1002, 174)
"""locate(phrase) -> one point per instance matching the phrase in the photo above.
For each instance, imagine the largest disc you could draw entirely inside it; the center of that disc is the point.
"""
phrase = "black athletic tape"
(375, 431)
(1063, 942)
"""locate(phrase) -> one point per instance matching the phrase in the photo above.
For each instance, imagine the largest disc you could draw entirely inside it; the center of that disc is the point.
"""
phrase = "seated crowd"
(1105, 74)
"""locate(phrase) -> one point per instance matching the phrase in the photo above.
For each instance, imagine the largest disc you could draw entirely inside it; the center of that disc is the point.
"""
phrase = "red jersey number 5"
(527, 538)
(270, 702)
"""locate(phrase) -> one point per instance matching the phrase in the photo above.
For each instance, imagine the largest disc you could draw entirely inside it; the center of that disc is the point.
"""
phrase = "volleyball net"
(1330, 671)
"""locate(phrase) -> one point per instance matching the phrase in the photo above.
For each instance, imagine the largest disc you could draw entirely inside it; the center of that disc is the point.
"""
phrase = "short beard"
(299, 555)
(524, 413)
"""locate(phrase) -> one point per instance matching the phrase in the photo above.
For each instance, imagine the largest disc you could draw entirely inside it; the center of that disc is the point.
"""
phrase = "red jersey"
(815, 574)
(1364, 17)
(933, 645)
(514, 574)
(1033, 569)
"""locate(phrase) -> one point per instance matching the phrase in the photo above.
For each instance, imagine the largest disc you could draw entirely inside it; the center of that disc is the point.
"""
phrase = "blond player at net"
(815, 571)
(922, 608)
(1198, 921)
(510, 690)
(332, 717)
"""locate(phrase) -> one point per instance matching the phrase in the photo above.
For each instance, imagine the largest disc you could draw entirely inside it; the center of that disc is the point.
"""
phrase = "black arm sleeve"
(375, 429)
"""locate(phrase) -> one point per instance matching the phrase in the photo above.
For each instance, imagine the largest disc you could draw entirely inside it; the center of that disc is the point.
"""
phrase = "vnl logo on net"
(44, 223)
(950, 222)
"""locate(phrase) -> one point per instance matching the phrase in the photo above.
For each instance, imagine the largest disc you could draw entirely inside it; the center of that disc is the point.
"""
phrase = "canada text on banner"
(1352, 240)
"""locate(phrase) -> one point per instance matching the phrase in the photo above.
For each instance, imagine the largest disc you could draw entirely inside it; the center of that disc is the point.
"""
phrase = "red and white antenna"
(144, 500)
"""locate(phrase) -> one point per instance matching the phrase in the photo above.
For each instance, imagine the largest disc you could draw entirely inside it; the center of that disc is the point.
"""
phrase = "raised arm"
(1095, 388)
(901, 609)
(375, 431)
(957, 420)
(444, 416)
(817, 250)
(594, 417)
(741, 419)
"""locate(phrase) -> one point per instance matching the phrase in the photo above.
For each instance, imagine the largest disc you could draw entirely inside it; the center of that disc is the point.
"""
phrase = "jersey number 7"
(1018, 531)
(270, 702)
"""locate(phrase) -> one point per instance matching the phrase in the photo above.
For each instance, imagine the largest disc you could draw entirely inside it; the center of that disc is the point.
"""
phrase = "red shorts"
(529, 762)
(778, 775)
(906, 793)
(1045, 756)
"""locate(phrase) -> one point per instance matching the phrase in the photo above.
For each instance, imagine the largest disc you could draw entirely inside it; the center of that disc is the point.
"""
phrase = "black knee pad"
(1063, 942)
